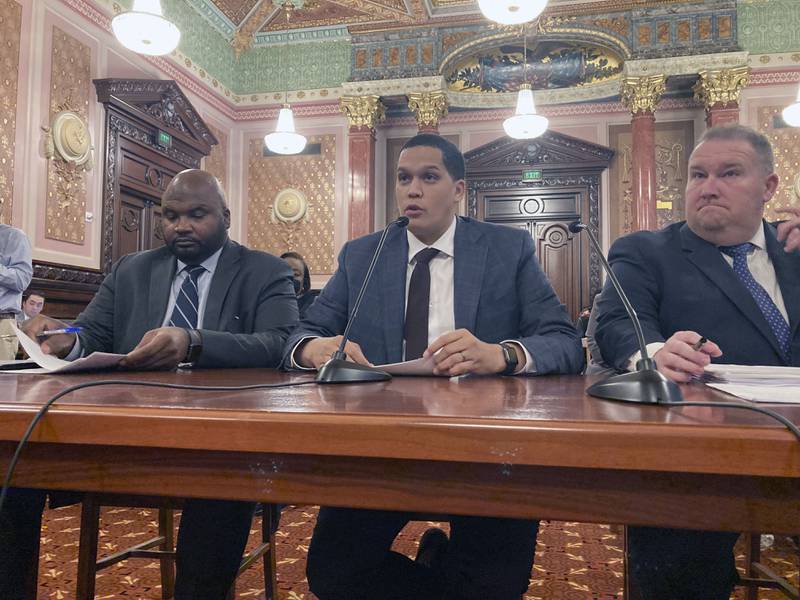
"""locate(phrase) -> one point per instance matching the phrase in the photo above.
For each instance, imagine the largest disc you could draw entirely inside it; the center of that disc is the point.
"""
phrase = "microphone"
(338, 369)
(646, 385)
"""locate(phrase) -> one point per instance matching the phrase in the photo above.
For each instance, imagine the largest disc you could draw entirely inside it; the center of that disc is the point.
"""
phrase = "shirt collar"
(210, 264)
(445, 243)
(759, 240)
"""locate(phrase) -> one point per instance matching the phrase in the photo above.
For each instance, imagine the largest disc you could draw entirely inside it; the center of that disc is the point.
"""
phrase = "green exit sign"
(532, 175)
(164, 139)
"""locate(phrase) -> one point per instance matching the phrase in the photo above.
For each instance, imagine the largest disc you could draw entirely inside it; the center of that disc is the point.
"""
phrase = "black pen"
(699, 343)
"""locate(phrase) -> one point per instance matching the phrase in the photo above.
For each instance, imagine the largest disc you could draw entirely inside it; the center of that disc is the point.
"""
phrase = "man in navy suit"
(723, 274)
(473, 296)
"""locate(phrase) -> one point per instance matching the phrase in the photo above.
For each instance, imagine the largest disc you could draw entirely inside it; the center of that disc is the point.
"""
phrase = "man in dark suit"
(201, 300)
(473, 296)
(723, 274)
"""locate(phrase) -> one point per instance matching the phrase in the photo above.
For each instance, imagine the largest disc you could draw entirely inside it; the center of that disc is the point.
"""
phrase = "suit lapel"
(787, 270)
(394, 264)
(161, 276)
(709, 260)
(227, 268)
(470, 250)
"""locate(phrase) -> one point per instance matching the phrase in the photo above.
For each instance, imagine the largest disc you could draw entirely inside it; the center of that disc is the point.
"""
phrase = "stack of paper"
(756, 383)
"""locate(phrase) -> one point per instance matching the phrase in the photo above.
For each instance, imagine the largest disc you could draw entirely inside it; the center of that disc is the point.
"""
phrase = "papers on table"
(50, 364)
(420, 366)
(756, 383)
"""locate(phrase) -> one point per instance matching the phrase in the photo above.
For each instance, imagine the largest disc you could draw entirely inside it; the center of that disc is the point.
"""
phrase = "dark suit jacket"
(249, 312)
(500, 292)
(677, 281)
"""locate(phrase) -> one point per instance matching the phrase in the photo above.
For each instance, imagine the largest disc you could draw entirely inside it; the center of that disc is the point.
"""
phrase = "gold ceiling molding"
(428, 107)
(363, 111)
(721, 86)
(641, 94)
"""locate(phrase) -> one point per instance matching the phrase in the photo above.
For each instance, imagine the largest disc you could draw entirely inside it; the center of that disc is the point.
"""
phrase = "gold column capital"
(642, 94)
(428, 107)
(363, 111)
(721, 86)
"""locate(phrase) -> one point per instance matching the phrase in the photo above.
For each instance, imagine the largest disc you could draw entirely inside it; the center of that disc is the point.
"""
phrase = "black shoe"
(432, 549)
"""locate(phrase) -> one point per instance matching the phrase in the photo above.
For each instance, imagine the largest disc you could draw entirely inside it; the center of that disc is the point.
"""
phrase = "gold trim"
(428, 107)
(642, 94)
(721, 86)
(363, 111)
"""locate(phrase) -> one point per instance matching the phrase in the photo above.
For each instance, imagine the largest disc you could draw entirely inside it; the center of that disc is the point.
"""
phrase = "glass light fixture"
(511, 12)
(791, 114)
(525, 124)
(285, 140)
(144, 29)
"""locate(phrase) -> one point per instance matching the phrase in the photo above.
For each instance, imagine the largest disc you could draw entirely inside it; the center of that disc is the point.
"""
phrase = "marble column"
(719, 91)
(364, 113)
(641, 95)
(429, 108)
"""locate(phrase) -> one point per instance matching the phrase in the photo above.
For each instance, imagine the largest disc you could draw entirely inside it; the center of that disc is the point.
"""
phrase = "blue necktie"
(188, 301)
(774, 317)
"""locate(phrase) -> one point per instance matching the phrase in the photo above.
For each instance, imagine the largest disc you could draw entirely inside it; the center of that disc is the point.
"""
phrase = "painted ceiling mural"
(550, 65)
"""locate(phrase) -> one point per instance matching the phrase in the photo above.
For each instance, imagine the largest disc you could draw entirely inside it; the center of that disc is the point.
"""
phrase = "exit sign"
(532, 175)
(164, 139)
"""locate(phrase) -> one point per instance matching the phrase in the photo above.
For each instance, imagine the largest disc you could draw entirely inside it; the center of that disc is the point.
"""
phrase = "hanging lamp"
(791, 114)
(511, 12)
(525, 124)
(144, 29)
(285, 139)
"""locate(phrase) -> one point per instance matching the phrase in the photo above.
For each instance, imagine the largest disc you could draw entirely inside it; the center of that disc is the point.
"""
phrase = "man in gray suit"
(473, 296)
(204, 301)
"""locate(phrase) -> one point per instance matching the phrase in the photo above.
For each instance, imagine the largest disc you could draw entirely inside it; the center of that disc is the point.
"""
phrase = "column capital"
(642, 94)
(363, 111)
(720, 87)
(428, 107)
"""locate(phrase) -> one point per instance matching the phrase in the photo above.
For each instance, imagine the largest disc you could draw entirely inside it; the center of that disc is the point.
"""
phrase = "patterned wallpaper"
(315, 177)
(70, 87)
(10, 27)
(769, 26)
(786, 146)
(216, 163)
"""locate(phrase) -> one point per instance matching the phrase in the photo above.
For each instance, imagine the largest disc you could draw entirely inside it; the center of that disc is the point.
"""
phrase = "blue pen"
(50, 332)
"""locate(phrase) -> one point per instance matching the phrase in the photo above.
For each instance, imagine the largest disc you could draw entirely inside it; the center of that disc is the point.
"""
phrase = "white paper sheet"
(780, 385)
(419, 366)
(50, 364)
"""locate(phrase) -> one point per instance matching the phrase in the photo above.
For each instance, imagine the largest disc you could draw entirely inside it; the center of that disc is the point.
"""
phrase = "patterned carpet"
(582, 562)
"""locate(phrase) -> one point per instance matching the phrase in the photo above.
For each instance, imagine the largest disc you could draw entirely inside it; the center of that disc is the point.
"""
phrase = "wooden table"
(514, 446)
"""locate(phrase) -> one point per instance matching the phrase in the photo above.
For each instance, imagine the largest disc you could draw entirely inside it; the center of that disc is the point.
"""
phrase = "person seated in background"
(202, 300)
(16, 272)
(302, 281)
(473, 296)
(32, 305)
(724, 275)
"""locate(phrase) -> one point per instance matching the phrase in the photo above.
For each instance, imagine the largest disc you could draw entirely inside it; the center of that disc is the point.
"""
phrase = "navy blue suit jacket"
(677, 281)
(500, 293)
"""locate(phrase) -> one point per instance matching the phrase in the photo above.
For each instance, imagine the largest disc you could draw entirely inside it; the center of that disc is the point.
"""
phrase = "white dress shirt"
(761, 268)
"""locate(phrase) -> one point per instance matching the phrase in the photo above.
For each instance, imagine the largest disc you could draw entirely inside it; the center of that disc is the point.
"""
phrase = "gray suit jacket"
(250, 310)
(500, 293)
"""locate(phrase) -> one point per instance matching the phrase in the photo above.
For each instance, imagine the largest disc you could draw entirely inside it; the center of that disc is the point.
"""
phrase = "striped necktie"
(765, 304)
(187, 303)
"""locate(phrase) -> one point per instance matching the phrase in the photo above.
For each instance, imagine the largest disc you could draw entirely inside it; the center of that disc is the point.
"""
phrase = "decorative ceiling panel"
(235, 10)
(328, 13)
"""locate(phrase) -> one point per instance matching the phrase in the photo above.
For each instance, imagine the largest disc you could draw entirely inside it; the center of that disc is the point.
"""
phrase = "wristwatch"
(510, 355)
(195, 346)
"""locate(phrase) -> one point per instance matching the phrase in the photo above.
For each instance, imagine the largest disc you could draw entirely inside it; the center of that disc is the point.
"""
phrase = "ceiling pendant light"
(791, 114)
(525, 124)
(511, 12)
(285, 140)
(144, 29)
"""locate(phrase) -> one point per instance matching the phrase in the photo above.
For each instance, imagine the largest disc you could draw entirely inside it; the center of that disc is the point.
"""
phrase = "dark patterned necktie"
(769, 309)
(187, 303)
(419, 295)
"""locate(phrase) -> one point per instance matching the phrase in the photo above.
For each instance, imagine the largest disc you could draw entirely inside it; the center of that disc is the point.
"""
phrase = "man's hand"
(678, 359)
(790, 230)
(459, 352)
(317, 351)
(59, 344)
(163, 348)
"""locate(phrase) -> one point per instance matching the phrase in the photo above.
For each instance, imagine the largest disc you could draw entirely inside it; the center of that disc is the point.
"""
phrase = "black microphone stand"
(338, 369)
(645, 385)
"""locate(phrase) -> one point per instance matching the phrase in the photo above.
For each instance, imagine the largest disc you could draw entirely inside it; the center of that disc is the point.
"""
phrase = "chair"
(161, 547)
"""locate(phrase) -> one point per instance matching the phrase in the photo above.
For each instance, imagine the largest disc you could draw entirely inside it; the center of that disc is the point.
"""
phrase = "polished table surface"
(515, 446)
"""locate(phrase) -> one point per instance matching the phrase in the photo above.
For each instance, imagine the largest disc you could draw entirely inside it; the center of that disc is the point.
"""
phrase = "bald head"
(194, 216)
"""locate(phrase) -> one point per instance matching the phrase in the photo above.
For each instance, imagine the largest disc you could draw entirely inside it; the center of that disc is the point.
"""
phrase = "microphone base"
(643, 387)
(337, 370)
